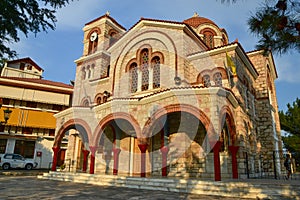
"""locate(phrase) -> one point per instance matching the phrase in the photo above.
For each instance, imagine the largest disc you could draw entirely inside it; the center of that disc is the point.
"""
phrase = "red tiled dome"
(195, 21)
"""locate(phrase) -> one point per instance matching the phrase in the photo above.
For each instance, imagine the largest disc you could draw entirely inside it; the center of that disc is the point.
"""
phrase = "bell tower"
(94, 64)
(100, 34)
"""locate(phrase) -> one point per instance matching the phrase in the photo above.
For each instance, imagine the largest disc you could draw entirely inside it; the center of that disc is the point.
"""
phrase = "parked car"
(11, 160)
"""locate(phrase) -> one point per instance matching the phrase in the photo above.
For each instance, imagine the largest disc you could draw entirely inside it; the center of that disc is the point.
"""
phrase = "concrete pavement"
(23, 184)
(29, 187)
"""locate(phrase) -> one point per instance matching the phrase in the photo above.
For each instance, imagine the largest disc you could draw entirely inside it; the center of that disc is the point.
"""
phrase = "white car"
(11, 160)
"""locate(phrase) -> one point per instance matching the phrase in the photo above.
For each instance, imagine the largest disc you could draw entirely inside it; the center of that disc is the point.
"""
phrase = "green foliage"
(292, 143)
(290, 122)
(277, 26)
(25, 16)
(2, 63)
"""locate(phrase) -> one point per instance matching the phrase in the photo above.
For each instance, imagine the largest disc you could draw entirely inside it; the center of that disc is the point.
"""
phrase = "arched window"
(98, 101)
(206, 81)
(93, 42)
(133, 77)
(145, 69)
(208, 37)
(104, 99)
(218, 79)
(156, 71)
(224, 138)
(85, 103)
(112, 38)
(83, 74)
(89, 72)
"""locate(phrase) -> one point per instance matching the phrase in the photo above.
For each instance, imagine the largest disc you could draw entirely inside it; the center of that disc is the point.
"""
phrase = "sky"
(55, 51)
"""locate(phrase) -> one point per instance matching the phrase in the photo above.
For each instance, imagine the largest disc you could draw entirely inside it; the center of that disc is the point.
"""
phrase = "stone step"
(226, 188)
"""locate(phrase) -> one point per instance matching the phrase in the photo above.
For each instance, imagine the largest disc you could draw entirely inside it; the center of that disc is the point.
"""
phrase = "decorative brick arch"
(78, 124)
(180, 108)
(123, 51)
(118, 115)
(227, 116)
(211, 72)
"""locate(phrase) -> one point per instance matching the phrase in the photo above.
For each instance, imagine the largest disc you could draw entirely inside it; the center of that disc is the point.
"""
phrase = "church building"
(170, 99)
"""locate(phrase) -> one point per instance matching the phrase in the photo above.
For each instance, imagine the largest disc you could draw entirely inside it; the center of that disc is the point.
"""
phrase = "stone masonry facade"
(169, 98)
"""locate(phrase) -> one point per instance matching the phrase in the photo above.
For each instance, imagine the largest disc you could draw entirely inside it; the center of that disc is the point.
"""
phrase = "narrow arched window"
(89, 72)
(133, 77)
(85, 103)
(145, 69)
(224, 138)
(98, 101)
(156, 71)
(104, 99)
(93, 42)
(83, 73)
(208, 37)
(206, 81)
(112, 38)
(218, 79)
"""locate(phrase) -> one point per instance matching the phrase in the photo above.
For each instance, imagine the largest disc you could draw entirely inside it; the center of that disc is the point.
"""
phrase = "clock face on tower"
(93, 36)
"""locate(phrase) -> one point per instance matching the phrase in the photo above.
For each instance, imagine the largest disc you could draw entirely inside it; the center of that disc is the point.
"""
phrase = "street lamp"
(7, 113)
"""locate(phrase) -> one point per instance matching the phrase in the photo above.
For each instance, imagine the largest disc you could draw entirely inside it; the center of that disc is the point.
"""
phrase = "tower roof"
(196, 20)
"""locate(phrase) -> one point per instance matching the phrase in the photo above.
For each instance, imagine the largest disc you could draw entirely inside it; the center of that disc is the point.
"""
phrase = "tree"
(25, 16)
(277, 25)
(290, 122)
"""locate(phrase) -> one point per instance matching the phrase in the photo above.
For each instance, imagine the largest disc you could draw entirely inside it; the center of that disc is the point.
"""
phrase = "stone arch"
(227, 116)
(159, 36)
(180, 108)
(78, 124)
(119, 115)
(86, 102)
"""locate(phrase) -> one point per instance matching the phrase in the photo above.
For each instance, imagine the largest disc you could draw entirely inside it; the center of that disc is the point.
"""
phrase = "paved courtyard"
(29, 187)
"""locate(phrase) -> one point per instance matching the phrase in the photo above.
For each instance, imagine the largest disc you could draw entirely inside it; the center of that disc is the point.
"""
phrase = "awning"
(30, 118)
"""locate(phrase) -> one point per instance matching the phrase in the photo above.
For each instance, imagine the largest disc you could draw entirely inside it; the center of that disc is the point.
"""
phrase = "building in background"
(168, 98)
(33, 101)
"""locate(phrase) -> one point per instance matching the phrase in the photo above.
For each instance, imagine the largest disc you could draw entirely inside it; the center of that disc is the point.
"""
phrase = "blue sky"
(56, 51)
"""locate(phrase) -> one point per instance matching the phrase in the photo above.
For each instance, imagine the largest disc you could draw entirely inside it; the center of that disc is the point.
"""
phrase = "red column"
(234, 150)
(143, 148)
(164, 153)
(85, 158)
(217, 165)
(54, 161)
(116, 160)
(92, 164)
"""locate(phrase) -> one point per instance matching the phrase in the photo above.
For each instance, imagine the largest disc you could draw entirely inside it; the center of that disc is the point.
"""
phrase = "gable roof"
(109, 17)
(26, 60)
(142, 19)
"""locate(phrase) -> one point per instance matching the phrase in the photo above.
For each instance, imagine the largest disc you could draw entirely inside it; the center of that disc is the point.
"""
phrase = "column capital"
(164, 149)
(233, 149)
(143, 147)
(116, 151)
(93, 149)
(56, 148)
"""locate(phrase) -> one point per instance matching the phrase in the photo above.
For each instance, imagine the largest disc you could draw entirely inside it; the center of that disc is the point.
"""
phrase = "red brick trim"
(91, 31)
(73, 124)
(104, 122)
(150, 31)
(180, 108)
(227, 116)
